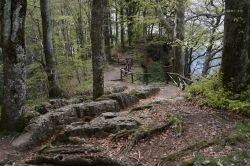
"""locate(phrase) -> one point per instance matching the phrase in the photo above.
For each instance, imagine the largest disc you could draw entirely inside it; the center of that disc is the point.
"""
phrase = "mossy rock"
(25, 119)
(41, 109)
(187, 163)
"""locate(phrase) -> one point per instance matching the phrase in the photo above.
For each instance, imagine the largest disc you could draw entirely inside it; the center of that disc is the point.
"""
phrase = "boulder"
(124, 99)
(101, 126)
(43, 127)
(146, 92)
(115, 88)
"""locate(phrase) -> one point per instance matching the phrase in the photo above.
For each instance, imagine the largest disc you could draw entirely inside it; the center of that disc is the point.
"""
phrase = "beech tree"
(179, 30)
(97, 16)
(236, 44)
(107, 30)
(14, 55)
(50, 66)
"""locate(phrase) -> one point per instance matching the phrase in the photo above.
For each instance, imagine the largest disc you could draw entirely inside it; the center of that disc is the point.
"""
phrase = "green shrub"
(210, 92)
(157, 73)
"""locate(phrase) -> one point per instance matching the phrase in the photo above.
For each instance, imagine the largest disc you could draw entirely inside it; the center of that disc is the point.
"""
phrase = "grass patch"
(210, 92)
(232, 158)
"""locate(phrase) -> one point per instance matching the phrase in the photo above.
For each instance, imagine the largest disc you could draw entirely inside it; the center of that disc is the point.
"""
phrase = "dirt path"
(197, 124)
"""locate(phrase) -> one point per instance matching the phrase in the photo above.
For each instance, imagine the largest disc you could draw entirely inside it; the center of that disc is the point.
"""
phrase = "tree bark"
(14, 57)
(236, 40)
(122, 27)
(107, 31)
(116, 23)
(96, 34)
(130, 18)
(52, 74)
(209, 54)
(179, 59)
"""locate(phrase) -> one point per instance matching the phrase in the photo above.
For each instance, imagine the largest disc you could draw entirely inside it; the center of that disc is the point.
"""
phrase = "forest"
(125, 82)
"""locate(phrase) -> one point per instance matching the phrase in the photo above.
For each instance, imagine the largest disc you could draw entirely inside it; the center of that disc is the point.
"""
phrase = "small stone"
(109, 115)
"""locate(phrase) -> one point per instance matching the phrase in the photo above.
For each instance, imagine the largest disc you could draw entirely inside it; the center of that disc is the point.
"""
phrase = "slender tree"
(122, 26)
(179, 30)
(131, 11)
(50, 67)
(107, 30)
(97, 16)
(236, 44)
(14, 54)
(209, 51)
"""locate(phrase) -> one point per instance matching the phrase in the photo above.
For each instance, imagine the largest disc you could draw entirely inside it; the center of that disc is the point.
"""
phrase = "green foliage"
(157, 73)
(8, 133)
(232, 158)
(177, 121)
(211, 92)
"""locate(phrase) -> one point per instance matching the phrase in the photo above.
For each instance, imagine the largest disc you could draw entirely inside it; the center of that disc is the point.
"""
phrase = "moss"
(8, 133)
(210, 92)
(177, 121)
(25, 119)
(104, 97)
(232, 158)
(187, 163)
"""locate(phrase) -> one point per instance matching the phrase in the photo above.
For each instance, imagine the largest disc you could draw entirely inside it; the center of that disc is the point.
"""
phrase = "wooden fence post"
(121, 75)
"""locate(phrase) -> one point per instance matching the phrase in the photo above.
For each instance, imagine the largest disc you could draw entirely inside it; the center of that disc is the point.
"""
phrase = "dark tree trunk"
(236, 40)
(107, 31)
(188, 62)
(97, 47)
(179, 59)
(122, 27)
(14, 56)
(116, 23)
(54, 90)
(1, 22)
(130, 17)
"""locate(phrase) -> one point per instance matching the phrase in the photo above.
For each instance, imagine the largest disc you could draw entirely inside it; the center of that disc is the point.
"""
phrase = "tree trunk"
(116, 23)
(97, 47)
(14, 56)
(209, 54)
(236, 40)
(122, 27)
(107, 31)
(179, 59)
(1, 22)
(54, 90)
(130, 17)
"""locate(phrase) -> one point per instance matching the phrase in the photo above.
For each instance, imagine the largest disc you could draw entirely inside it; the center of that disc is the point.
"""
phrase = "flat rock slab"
(43, 127)
(146, 92)
(124, 99)
(101, 126)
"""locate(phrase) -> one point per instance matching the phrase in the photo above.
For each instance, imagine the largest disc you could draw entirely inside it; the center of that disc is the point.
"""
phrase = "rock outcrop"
(43, 127)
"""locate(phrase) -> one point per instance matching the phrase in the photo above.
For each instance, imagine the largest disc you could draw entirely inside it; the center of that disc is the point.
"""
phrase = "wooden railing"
(176, 78)
(127, 69)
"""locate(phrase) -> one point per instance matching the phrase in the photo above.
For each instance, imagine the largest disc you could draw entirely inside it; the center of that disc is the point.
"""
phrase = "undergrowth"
(211, 92)
(241, 134)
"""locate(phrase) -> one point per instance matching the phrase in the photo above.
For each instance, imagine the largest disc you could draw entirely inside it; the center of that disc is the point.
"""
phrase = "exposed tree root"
(71, 149)
(140, 134)
(76, 161)
(141, 108)
(123, 134)
(222, 140)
